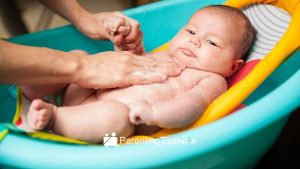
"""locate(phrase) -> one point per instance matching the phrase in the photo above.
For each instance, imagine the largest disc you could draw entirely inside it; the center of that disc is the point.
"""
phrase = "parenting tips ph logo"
(110, 141)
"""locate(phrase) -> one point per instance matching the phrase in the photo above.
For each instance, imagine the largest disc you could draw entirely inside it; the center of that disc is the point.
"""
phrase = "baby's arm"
(182, 110)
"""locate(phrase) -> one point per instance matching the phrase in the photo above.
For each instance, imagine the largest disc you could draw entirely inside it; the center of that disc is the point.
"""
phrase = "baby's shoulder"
(213, 85)
(214, 80)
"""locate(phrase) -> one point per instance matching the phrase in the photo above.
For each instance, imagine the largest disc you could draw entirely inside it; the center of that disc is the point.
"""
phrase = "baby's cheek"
(172, 51)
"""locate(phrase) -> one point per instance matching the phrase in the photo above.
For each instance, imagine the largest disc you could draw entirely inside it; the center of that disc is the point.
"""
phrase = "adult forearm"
(68, 9)
(89, 24)
(36, 65)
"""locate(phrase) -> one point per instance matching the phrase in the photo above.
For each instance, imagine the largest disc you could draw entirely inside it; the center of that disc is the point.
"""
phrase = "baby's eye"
(191, 32)
(212, 43)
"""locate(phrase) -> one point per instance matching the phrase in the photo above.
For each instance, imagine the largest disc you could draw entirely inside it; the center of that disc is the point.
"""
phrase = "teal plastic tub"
(236, 141)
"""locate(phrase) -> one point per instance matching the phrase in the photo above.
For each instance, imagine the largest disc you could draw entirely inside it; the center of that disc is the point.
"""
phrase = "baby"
(208, 49)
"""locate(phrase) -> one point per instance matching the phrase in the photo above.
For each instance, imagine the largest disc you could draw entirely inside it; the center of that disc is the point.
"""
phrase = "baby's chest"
(171, 88)
(158, 91)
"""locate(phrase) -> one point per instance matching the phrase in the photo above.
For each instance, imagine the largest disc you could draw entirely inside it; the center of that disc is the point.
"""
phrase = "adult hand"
(125, 33)
(121, 69)
(129, 37)
(92, 24)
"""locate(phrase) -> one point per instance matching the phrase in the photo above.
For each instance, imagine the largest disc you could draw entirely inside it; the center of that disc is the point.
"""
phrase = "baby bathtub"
(236, 141)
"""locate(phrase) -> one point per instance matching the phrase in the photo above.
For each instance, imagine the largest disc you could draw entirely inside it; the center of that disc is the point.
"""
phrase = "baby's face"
(208, 42)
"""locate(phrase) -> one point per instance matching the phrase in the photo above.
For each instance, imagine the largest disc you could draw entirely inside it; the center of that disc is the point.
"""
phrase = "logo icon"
(110, 141)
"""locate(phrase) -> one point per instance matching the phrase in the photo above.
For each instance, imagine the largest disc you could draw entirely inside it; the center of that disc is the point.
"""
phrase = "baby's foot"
(40, 114)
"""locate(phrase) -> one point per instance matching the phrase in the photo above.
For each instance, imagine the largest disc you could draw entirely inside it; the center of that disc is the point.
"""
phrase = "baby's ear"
(238, 63)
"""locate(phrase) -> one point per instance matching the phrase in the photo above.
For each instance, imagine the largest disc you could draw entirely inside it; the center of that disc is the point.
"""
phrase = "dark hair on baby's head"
(249, 31)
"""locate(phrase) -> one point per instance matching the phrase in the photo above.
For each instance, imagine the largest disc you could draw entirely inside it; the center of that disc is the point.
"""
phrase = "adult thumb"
(124, 30)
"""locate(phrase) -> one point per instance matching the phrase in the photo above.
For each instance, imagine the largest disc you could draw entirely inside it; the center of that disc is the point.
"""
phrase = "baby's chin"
(179, 61)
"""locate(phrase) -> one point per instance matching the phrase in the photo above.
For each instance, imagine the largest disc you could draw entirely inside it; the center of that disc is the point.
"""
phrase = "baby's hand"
(118, 28)
(125, 33)
(141, 113)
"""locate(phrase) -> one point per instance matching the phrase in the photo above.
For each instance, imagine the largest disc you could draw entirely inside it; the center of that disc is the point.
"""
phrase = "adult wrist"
(79, 67)
(76, 18)
(92, 24)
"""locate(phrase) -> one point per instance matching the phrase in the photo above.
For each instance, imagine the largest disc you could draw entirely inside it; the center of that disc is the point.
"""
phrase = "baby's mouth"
(187, 52)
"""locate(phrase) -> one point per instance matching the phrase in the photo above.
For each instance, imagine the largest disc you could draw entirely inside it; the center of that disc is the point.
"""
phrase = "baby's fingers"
(136, 42)
(139, 50)
(118, 36)
(118, 39)
(117, 48)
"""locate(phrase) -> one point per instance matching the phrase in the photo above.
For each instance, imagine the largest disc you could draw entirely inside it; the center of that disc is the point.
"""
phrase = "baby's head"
(215, 39)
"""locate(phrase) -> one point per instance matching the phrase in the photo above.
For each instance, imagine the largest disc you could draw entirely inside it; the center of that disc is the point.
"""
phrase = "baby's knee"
(121, 123)
(114, 117)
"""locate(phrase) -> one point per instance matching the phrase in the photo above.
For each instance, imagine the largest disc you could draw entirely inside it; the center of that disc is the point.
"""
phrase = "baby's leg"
(76, 95)
(40, 114)
(91, 121)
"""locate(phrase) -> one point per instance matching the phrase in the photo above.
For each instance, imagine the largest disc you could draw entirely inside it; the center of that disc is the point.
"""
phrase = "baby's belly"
(150, 93)
(154, 92)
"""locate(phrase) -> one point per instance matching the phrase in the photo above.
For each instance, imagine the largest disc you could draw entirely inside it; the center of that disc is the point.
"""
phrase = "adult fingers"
(140, 77)
(147, 60)
(140, 50)
(135, 31)
(119, 22)
(135, 27)
(124, 30)
(147, 63)
(159, 66)
(137, 49)
(135, 43)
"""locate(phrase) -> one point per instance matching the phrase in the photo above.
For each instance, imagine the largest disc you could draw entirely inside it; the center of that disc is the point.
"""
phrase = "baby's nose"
(195, 42)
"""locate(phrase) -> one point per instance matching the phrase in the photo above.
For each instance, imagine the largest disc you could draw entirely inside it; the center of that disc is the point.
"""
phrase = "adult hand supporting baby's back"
(121, 69)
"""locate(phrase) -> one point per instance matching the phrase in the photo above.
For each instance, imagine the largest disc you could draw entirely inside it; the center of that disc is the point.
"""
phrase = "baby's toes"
(43, 114)
(43, 119)
(36, 105)
(40, 125)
